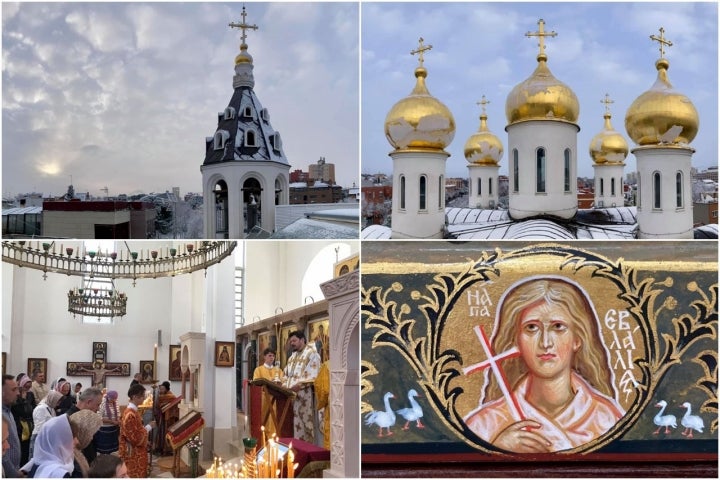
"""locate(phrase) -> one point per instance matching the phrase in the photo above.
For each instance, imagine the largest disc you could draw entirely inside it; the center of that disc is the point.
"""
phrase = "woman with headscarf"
(67, 400)
(106, 439)
(22, 411)
(87, 423)
(53, 452)
(42, 413)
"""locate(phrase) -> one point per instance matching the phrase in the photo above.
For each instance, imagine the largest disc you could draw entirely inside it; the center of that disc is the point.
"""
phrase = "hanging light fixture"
(97, 295)
(94, 300)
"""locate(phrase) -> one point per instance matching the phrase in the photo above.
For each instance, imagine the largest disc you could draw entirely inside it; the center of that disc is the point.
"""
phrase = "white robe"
(589, 415)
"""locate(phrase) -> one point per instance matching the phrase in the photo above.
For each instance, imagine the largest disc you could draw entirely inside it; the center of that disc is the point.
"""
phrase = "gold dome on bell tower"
(542, 96)
(662, 115)
(608, 146)
(483, 147)
(420, 121)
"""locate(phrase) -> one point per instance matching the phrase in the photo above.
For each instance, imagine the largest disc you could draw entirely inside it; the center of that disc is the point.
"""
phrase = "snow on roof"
(21, 210)
(376, 232)
(706, 231)
(309, 228)
(342, 214)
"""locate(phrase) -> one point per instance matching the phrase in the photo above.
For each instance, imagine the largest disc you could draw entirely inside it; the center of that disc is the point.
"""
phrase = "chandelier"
(95, 301)
(97, 295)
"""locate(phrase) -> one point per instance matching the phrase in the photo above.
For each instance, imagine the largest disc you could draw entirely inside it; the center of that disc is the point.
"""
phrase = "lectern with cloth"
(180, 433)
(279, 412)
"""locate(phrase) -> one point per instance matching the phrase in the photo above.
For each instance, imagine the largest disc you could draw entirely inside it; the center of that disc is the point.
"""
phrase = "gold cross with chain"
(607, 102)
(541, 34)
(662, 41)
(243, 26)
(421, 50)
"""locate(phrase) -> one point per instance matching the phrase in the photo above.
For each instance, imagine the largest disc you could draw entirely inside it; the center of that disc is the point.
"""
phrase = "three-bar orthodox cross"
(662, 41)
(482, 104)
(244, 26)
(541, 34)
(421, 50)
(607, 102)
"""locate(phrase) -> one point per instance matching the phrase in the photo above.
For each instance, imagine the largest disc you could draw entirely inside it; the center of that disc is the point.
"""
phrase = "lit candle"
(155, 363)
(263, 435)
(290, 462)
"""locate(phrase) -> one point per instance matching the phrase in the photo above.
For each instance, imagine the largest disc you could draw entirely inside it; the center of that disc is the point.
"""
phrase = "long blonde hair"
(590, 361)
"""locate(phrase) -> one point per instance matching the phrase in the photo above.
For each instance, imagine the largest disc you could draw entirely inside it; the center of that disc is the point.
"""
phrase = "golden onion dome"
(483, 147)
(608, 146)
(419, 121)
(243, 56)
(542, 97)
(662, 115)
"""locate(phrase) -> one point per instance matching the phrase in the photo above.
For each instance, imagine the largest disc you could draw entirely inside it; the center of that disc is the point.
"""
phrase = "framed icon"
(35, 365)
(174, 361)
(224, 354)
(147, 371)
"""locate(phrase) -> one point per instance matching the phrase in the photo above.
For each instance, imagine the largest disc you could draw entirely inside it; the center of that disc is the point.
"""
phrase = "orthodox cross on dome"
(493, 363)
(541, 34)
(243, 26)
(662, 41)
(607, 103)
(421, 50)
(482, 104)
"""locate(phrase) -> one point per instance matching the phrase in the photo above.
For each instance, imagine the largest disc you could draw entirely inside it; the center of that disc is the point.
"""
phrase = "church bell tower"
(245, 173)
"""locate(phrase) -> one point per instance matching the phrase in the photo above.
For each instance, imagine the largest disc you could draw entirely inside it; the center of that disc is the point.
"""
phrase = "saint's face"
(546, 341)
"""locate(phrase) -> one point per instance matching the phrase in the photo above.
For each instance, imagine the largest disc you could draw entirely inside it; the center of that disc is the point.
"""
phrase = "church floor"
(162, 468)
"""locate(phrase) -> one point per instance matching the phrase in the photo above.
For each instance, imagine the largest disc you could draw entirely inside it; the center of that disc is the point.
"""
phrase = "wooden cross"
(482, 104)
(662, 41)
(493, 363)
(421, 50)
(98, 368)
(607, 102)
(243, 26)
(541, 34)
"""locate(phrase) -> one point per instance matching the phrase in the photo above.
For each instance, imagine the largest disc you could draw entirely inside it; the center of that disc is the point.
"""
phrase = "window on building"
(221, 136)
(479, 186)
(490, 182)
(540, 170)
(567, 182)
(402, 192)
(247, 112)
(250, 139)
(229, 113)
(516, 171)
(656, 190)
(423, 192)
(441, 191)
(612, 187)
(639, 186)
(276, 142)
(265, 115)
(239, 297)
(679, 190)
(602, 187)
(95, 280)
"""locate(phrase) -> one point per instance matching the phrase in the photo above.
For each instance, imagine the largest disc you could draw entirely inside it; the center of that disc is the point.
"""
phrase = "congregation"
(63, 431)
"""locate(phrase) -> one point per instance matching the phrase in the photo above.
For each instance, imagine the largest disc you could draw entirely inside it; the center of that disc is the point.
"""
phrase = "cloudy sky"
(123, 94)
(480, 49)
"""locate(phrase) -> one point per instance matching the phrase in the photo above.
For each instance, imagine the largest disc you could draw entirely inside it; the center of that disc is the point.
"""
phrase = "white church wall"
(283, 274)
(43, 328)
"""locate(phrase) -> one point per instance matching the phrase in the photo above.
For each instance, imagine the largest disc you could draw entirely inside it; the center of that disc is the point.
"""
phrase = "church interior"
(191, 317)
